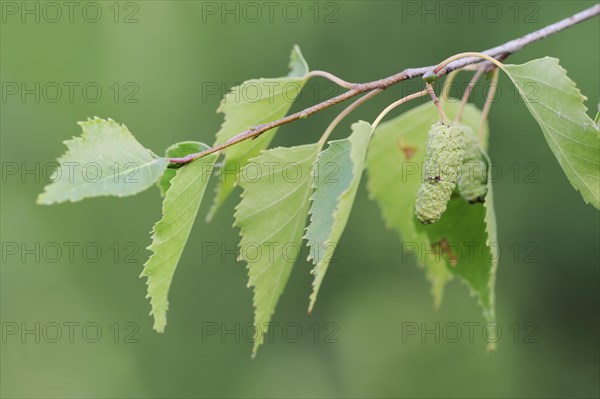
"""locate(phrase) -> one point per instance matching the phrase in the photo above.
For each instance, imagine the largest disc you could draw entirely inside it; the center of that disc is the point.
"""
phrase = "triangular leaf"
(177, 150)
(338, 172)
(557, 105)
(463, 242)
(105, 160)
(170, 234)
(253, 103)
(271, 216)
(466, 236)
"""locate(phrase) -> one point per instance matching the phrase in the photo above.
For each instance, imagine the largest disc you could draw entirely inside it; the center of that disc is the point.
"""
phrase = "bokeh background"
(167, 57)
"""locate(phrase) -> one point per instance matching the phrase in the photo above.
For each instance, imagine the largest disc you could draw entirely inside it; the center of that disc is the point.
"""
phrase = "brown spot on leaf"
(444, 247)
(408, 150)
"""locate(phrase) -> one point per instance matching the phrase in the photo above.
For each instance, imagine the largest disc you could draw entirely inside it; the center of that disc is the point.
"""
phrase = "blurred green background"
(166, 56)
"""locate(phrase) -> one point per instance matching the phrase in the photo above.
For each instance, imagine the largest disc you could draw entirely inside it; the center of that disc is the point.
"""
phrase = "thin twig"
(488, 103)
(436, 102)
(345, 113)
(462, 56)
(445, 92)
(467, 93)
(394, 105)
(517, 44)
(498, 52)
(328, 75)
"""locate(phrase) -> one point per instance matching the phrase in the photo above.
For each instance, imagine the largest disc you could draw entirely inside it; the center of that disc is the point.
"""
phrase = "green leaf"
(557, 105)
(177, 150)
(170, 234)
(463, 242)
(465, 239)
(253, 103)
(105, 160)
(338, 172)
(271, 216)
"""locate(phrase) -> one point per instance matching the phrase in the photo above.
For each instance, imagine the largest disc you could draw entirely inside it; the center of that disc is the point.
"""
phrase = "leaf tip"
(41, 199)
(310, 307)
(159, 327)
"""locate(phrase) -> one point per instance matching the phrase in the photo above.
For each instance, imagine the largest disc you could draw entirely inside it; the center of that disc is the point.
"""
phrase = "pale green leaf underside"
(338, 172)
(394, 165)
(253, 103)
(177, 150)
(170, 234)
(557, 105)
(271, 216)
(105, 160)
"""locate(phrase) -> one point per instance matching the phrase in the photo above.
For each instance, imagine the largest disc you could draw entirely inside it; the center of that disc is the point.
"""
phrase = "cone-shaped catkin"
(444, 154)
(472, 183)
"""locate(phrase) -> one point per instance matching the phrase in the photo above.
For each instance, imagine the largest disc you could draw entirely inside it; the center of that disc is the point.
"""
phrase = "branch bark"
(499, 52)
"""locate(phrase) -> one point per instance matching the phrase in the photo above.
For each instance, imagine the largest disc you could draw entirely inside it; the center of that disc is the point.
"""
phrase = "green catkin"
(472, 183)
(444, 154)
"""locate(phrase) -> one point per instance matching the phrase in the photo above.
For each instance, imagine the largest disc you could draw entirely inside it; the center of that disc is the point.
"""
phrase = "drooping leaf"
(463, 242)
(177, 150)
(105, 160)
(466, 237)
(271, 216)
(338, 172)
(557, 105)
(170, 234)
(253, 103)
